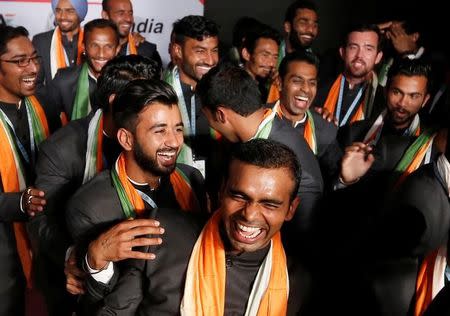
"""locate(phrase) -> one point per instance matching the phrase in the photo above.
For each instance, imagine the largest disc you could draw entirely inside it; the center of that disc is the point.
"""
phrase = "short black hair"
(363, 27)
(119, 71)
(100, 24)
(137, 95)
(8, 33)
(267, 154)
(231, 87)
(194, 26)
(243, 26)
(264, 31)
(410, 67)
(300, 56)
(291, 11)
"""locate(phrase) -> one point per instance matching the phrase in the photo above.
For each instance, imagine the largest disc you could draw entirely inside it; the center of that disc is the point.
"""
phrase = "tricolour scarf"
(58, 56)
(131, 45)
(204, 291)
(131, 201)
(81, 104)
(374, 133)
(364, 108)
(94, 148)
(417, 152)
(309, 132)
(12, 170)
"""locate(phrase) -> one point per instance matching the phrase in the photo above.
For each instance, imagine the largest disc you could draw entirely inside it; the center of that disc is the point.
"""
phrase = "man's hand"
(33, 201)
(326, 115)
(356, 161)
(117, 243)
(74, 276)
(403, 43)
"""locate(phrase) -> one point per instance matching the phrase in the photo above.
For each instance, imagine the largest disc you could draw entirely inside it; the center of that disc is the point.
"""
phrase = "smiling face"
(255, 203)
(17, 82)
(405, 97)
(361, 54)
(298, 89)
(158, 138)
(101, 46)
(196, 58)
(304, 29)
(66, 16)
(121, 13)
(262, 62)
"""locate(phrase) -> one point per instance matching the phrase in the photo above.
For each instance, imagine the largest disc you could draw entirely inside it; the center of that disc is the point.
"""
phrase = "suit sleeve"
(10, 207)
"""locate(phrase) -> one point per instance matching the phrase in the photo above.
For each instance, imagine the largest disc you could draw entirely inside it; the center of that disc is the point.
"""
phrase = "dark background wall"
(334, 15)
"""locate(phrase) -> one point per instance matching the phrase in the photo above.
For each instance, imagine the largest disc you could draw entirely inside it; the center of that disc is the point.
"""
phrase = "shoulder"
(189, 171)
(322, 124)
(42, 37)
(71, 137)
(67, 73)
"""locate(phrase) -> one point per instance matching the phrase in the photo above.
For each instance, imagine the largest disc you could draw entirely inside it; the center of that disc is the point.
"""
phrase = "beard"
(295, 42)
(150, 164)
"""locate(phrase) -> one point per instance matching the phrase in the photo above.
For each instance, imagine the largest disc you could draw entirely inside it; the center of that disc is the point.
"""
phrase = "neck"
(247, 127)
(291, 117)
(123, 40)
(135, 173)
(249, 72)
(353, 81)
(187, 79)
(9, 98)
(92, 72)
(70, 34)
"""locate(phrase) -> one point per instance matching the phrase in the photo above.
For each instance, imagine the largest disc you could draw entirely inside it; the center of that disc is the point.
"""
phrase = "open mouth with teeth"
(203, 70)
(167, 158)
(247, 234)
(29, 82)
(301, 101)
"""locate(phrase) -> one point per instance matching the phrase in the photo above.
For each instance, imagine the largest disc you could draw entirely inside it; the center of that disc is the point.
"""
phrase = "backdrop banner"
(153, 19)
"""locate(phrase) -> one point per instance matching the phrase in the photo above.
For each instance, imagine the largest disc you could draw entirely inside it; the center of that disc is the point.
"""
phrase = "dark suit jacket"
(42, 43)
(63, 88)
(12, 281)
(145, 49)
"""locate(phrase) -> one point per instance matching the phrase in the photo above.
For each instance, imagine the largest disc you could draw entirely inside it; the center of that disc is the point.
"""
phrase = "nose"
(250, 211)
(211, 58)
(33, 66)
(174, 139)
(402, 101)
(129, 17)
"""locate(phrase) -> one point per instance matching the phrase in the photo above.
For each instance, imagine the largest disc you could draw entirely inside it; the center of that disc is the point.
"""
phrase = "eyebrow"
(24, 55)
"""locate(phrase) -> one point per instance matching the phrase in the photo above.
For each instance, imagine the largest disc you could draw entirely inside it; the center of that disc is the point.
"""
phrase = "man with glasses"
(61, 47)
(24, 124)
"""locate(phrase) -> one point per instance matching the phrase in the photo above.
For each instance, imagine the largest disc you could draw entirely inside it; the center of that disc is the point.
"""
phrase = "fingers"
(33, 201)
(140, 231)
(74, 286)
(130, 254)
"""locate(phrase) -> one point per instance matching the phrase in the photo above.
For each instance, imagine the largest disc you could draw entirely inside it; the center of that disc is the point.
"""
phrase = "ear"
(221, 115)
(287, 27)
(292, 208)
(415, 36)
(125, 139)
(245, 54)
(105, 15)
(379, 56)
(178, 51)
(341, 52)
(111, 98)
(278, 83)
(427, 97)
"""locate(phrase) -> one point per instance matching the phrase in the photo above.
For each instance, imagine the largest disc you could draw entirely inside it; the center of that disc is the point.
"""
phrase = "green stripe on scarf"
(36, 124)
(413, 149)
(81, 104)
(127, 207)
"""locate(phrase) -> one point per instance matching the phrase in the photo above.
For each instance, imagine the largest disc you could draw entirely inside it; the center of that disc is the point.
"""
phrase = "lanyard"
(18, 142)
(352, 106)
(189, 123)
(146, 198)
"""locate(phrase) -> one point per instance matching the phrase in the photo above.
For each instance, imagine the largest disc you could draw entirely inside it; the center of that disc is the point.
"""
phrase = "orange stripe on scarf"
(274, 93)
(424, 284)
(60, 55)
(10, 181)
(330, 102)
(204, 292)
(183, 192)
(130, 191)
(308, 135)
(40, 113)
(132, 44)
